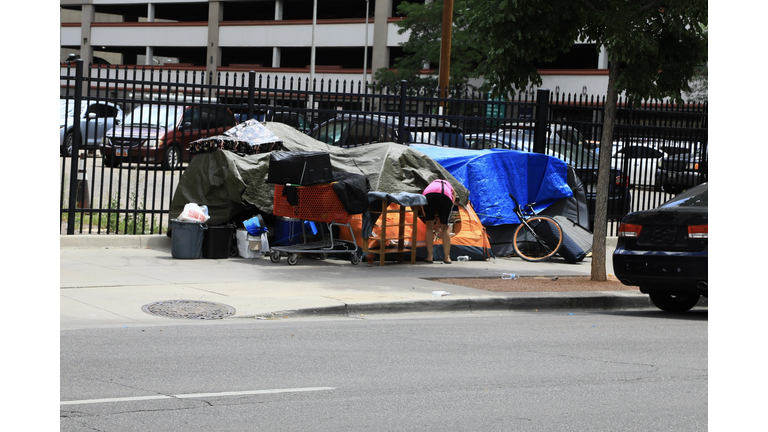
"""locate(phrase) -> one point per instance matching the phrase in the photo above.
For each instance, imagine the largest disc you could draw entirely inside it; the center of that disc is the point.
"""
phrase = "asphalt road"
(534, 371)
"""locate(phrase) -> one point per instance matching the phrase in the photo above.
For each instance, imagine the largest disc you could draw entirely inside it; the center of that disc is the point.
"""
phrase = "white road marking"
(194, 395)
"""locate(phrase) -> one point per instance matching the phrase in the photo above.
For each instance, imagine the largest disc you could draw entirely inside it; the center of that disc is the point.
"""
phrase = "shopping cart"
(319, 204)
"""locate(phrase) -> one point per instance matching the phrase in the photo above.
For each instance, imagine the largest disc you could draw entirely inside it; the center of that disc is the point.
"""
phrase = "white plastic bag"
(264, 243)
(193, 213)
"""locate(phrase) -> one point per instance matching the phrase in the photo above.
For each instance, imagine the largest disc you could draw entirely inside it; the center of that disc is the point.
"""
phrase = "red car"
(160, 134)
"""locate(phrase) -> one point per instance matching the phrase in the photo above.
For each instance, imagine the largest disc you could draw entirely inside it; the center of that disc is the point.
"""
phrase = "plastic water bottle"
(509, 276)
(462, 258)
(204, 208)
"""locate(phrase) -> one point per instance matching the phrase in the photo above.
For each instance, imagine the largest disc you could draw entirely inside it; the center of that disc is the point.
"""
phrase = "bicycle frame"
(524, 216)
(521, 214)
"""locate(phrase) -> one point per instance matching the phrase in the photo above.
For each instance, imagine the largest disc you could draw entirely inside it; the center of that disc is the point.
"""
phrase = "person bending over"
(440, 200)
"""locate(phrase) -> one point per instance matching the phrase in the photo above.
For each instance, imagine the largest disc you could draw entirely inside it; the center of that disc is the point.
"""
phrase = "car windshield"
(675, 150)
(573, 155)
(695, 197)
(331, 133)
(442, 138)
(154, 116)
(569, 135)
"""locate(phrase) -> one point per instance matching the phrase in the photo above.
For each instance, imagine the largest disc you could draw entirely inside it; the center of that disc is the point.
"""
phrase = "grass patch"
(115, 222)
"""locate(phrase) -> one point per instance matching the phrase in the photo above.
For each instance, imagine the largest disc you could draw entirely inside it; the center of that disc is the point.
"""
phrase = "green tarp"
(228, 183)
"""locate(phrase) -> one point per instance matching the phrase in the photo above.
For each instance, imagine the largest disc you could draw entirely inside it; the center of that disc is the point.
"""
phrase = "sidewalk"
(106, 280)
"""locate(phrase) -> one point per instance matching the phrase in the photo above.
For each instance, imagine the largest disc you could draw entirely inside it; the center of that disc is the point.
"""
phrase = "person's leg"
(429, 221)
(443, 212)
(429, 237)
(445, 236)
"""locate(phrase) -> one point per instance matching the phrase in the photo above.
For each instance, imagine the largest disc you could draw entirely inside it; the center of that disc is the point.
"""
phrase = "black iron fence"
(125, 134)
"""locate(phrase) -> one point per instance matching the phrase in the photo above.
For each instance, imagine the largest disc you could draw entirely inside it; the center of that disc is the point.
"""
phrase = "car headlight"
(153, 143)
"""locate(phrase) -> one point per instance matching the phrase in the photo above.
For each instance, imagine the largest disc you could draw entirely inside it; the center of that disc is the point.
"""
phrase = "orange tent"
(469, 237)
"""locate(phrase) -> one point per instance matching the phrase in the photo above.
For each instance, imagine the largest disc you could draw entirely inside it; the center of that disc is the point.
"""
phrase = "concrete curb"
(101, 241)
(602, 300)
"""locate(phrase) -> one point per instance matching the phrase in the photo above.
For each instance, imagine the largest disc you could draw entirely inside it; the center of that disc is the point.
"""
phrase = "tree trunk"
(603, 177)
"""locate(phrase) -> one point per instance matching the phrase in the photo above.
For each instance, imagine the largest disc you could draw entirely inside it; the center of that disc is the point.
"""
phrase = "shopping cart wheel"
(293, 259)
(354, 259)
(274, 256)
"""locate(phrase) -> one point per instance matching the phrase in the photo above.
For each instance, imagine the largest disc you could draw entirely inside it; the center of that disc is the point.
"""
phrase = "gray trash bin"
(187, 239)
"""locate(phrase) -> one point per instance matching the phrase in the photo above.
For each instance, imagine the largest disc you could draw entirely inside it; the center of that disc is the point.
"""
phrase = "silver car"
(96, 118)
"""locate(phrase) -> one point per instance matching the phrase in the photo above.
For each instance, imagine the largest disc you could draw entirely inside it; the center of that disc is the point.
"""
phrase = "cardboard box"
(254, 243)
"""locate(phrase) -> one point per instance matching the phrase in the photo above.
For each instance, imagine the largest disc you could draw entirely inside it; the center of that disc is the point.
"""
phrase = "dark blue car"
(664, 251)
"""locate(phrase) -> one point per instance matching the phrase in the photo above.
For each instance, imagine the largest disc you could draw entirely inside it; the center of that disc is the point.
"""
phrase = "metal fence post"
(74, 159)
(542, 118)
(251, 91)
(401, 123)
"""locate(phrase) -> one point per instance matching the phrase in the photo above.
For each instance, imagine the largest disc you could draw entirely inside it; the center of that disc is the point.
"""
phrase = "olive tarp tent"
(232, 184)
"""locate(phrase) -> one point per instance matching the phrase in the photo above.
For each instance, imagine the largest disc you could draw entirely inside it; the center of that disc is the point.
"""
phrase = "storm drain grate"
(188, 309)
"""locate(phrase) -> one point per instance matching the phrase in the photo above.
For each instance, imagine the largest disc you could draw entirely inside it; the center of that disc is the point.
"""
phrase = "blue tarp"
(491, 175)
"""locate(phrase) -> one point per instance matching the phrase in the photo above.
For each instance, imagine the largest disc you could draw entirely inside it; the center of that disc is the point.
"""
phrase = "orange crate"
(317, 203)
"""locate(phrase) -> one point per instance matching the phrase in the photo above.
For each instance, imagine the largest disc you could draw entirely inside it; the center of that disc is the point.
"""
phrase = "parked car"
(350, 130)
(295, 119)
(583, 160)
(557, 133)
(161, 134)
(96, 60)
(664, 251)
(96, 118)
(640, 161)
(678, 172)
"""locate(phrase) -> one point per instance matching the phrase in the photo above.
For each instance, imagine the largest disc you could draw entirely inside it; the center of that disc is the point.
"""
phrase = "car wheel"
(672, 189)
(66, 149)
(111, 161)
(674, 302)
(172, 159)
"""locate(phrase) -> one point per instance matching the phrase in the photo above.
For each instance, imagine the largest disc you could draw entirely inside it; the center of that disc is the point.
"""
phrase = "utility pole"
(445, 49)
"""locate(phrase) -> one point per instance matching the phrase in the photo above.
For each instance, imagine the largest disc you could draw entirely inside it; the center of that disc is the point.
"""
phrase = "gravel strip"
(541, 284)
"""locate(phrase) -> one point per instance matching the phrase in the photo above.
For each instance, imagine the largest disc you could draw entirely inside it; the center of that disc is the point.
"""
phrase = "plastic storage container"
(187, 239)
(217, 241)
(287, 231)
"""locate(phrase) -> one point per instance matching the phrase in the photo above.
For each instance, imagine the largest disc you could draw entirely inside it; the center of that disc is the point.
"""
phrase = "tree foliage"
(659, 44)
(700, 83)
(424, 22)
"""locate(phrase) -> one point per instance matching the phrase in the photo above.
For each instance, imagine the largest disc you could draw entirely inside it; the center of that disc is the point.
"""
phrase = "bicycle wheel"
(539, 243)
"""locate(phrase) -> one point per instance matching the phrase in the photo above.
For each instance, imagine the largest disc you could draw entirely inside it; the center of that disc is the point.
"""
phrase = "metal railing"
(104, 192)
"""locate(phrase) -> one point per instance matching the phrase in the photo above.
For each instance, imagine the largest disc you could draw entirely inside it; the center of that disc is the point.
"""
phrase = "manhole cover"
(189, 309)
